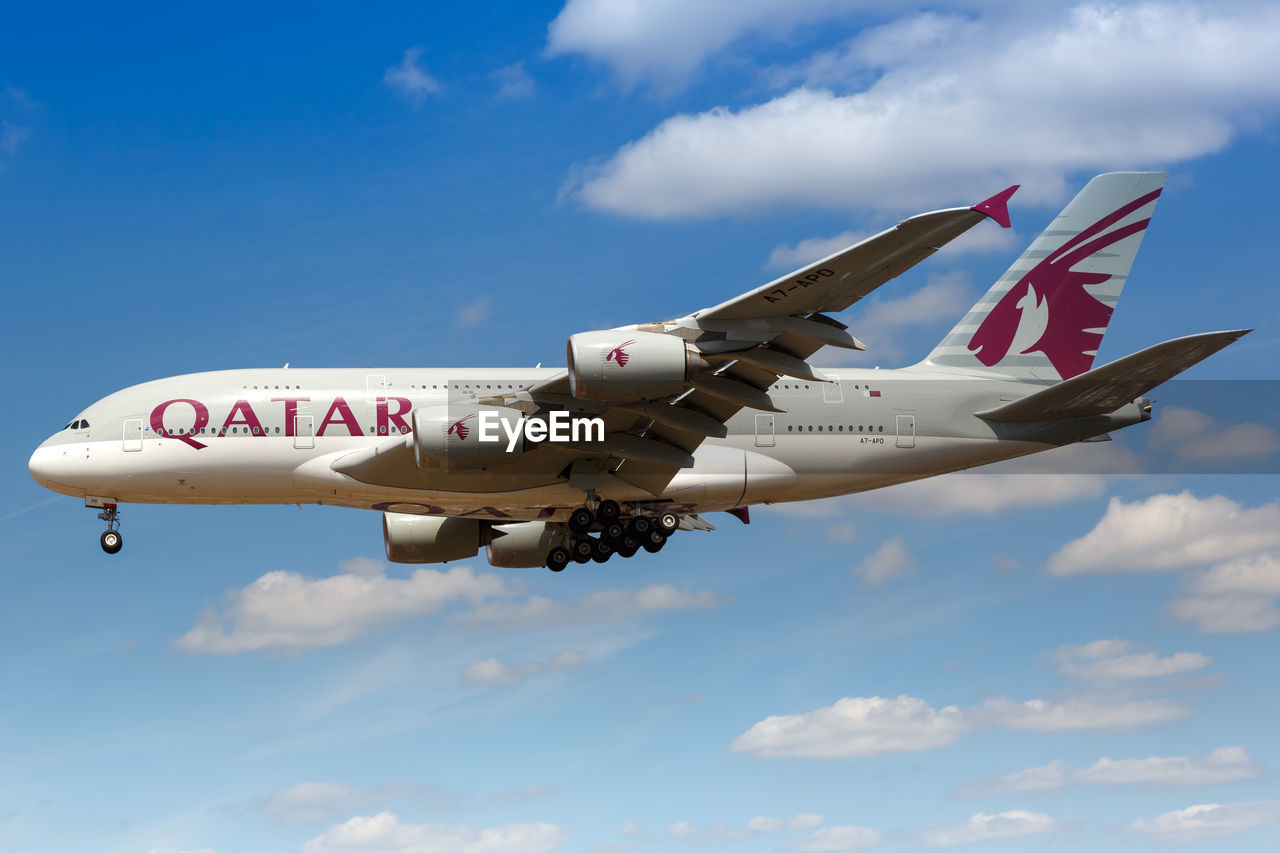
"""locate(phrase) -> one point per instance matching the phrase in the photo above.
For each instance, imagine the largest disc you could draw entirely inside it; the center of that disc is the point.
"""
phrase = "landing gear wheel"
(668, 522)
(654, 547)
(557, 559)
(626, 553)
(581, 519)
(112, 541)
(614, 532)
(608, 511)
(602, 551)
(629, 543)
(640, 525)
(582, 550)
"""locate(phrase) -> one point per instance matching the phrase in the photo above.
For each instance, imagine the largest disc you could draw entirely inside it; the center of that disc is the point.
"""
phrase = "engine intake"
(449, 436)
(429, 538)
(614, 366)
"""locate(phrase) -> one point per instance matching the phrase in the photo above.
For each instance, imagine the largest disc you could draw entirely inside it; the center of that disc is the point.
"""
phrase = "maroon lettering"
(486, 510)
(340, 412)
(290, 410)
(201, 421)
(249, 419)
(396, 419)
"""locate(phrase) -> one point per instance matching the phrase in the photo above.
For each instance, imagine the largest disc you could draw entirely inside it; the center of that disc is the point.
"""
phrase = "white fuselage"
(273, 436)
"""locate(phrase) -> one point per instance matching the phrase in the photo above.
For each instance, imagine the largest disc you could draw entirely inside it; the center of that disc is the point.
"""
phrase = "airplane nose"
(41, 465)
(52, 466)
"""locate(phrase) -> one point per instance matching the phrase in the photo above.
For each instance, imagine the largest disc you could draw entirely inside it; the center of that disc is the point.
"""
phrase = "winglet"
(997, 207)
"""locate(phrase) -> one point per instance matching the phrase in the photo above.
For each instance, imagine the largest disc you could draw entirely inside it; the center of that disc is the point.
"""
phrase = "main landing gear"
(111, 539)
(618, 534)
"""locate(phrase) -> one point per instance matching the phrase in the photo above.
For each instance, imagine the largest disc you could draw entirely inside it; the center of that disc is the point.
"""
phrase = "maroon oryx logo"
(619, 355)
(1074, 319)
(460, 428)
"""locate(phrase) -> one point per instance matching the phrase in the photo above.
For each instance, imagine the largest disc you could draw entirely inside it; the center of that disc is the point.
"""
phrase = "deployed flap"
(1104, 389)
(836, 282)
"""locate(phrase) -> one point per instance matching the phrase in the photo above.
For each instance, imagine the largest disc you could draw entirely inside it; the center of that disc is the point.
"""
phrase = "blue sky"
(1046, 660)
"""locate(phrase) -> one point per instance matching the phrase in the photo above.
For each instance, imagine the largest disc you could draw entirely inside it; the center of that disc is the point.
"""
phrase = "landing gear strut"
(111, 540)
(619, 533)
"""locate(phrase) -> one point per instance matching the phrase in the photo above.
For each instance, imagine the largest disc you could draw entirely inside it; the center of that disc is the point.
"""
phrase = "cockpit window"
(84, 425)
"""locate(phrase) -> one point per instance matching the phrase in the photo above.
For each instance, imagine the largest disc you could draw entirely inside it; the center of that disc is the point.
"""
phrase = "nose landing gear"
(111, 539)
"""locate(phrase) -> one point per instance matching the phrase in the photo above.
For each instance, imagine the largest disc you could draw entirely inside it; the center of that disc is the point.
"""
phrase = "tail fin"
(1044, 318)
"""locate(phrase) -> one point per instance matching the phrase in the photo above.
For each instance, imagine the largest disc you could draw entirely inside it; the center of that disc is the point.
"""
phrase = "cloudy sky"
(1078, 655)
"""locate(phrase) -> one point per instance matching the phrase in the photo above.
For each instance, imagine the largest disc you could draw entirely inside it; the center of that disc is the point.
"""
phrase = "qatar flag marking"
(870, 393)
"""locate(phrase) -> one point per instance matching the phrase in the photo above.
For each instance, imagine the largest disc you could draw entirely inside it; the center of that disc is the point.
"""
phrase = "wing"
(836, 282)
(746, 344)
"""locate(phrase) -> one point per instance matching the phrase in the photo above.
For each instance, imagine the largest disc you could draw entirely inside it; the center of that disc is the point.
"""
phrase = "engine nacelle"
(449, 436)
(612, 365)
(523, 545)
(429, 538)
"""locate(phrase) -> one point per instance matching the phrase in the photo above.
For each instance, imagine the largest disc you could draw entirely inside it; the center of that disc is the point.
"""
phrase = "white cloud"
(886, 563)
(857, 726)
(807, 251)
(473, 313)
(285, 612)
(1107, 660)
(384, 833)
(1197, 437)
(409, 79)
(959, 494)
(1223, 765)
(689, 830)
(632, 829)
(836, 838)
(607, 606)
(318, 802)
(1043, 715)
(1227, 764)
(1234, 596)
(1027, 99)
(797, 823)
(1169, 531)
(514, 81)
(854, 727)
(987, 827)
(664, 41)
(1047, 777)
(494, 671)
(172, 850)
(1208, 821)
(943, 298)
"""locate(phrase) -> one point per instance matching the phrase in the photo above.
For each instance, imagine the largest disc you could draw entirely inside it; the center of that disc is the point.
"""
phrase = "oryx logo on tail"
(1049, 310)
(618, 354)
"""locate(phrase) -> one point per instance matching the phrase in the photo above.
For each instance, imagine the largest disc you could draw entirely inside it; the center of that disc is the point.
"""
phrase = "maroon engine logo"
(619, 355)
(460, 428)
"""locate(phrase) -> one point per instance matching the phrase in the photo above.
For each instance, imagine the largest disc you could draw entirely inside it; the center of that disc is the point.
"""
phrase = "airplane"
(717, 410)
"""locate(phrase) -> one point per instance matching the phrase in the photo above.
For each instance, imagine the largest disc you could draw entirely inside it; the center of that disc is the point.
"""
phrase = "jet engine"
(613, 365)
(453, 436)
(429, 538)
(523, 545)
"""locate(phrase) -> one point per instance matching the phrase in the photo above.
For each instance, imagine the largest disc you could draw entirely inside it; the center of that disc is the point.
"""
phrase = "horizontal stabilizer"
(1104, 389)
